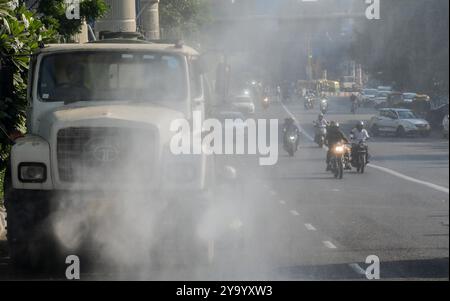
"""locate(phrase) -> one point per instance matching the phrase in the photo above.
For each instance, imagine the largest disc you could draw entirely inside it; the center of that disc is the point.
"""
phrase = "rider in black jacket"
(334, 136)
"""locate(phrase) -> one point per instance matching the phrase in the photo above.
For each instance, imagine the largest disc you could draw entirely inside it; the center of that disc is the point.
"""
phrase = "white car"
(409, 97)
(401, 122)
(385, 88)
(368, 95)
(381, 97)
(244, 103)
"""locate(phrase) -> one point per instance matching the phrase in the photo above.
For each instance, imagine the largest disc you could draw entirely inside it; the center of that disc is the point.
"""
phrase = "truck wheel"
(29, 244)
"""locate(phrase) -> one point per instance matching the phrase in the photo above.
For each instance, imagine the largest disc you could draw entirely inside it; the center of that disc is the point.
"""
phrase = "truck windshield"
(112, 76)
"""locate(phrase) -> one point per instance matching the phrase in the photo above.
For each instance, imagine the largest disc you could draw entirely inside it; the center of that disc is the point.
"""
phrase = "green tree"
(183, 18)
(21, 33)
(54, 15)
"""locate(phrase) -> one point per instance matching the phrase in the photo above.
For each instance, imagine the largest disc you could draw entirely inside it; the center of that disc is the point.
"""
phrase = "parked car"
(401, 122)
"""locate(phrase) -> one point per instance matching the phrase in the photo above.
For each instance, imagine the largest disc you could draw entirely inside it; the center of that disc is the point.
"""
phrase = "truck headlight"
(32, 172)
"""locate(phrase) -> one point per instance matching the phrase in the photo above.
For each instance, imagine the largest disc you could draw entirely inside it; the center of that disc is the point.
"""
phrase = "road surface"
(296, 222)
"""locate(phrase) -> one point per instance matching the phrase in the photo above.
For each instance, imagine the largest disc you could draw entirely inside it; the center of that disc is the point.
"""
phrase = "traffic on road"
(283, 144)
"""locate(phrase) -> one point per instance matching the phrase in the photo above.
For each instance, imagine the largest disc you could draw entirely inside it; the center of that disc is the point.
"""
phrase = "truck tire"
(29, 242)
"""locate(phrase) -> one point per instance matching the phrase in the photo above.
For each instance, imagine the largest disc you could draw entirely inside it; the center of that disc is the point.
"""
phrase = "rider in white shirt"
(359, 135)
(321, 122)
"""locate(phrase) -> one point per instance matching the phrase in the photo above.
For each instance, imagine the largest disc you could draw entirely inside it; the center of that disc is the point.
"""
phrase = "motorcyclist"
(359, 135)
(334, 136)
(324, 104)
(278, 92)
(321, 125)
(289, 126)
(321, 122)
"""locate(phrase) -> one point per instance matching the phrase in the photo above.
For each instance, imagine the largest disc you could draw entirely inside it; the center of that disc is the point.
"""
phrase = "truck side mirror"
(6, 81)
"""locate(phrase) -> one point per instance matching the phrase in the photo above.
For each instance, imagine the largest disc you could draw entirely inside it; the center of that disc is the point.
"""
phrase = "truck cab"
(98, 108)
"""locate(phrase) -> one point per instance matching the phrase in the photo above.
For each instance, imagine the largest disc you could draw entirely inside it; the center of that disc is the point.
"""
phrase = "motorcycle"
(359, 156)
(265, 102)
(291, 140)
(339, 160)
(324, 106)
(309, 103)
(320, 135)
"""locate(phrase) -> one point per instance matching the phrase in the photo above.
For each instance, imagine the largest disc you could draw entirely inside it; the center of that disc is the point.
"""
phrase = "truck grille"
(105, 155)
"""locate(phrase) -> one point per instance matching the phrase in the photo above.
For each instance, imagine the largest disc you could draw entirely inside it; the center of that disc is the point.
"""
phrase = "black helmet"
(289, 120)
(360, 125)
(334, 125)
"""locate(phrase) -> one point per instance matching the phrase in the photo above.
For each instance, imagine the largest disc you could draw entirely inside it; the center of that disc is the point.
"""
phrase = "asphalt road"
(294, 221)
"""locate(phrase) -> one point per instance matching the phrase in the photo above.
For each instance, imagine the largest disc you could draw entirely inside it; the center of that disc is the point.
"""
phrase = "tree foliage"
(54, 15)
(183, 18)
(21, 33)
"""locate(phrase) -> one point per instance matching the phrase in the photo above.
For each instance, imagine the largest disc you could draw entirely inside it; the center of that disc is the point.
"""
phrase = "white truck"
(99, 120)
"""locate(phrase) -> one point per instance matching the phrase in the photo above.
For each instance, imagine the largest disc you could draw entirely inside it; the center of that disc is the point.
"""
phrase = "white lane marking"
(358, 270)
(411, 179)
(282, 202)
(310, 227)
(384, 169)
(329, 244)
(273, 192)
(335, 190)
(295, 213)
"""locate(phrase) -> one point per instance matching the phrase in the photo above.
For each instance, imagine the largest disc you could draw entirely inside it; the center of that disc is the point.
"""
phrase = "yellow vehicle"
(333, 86)
(421, 105)
(319, 86)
